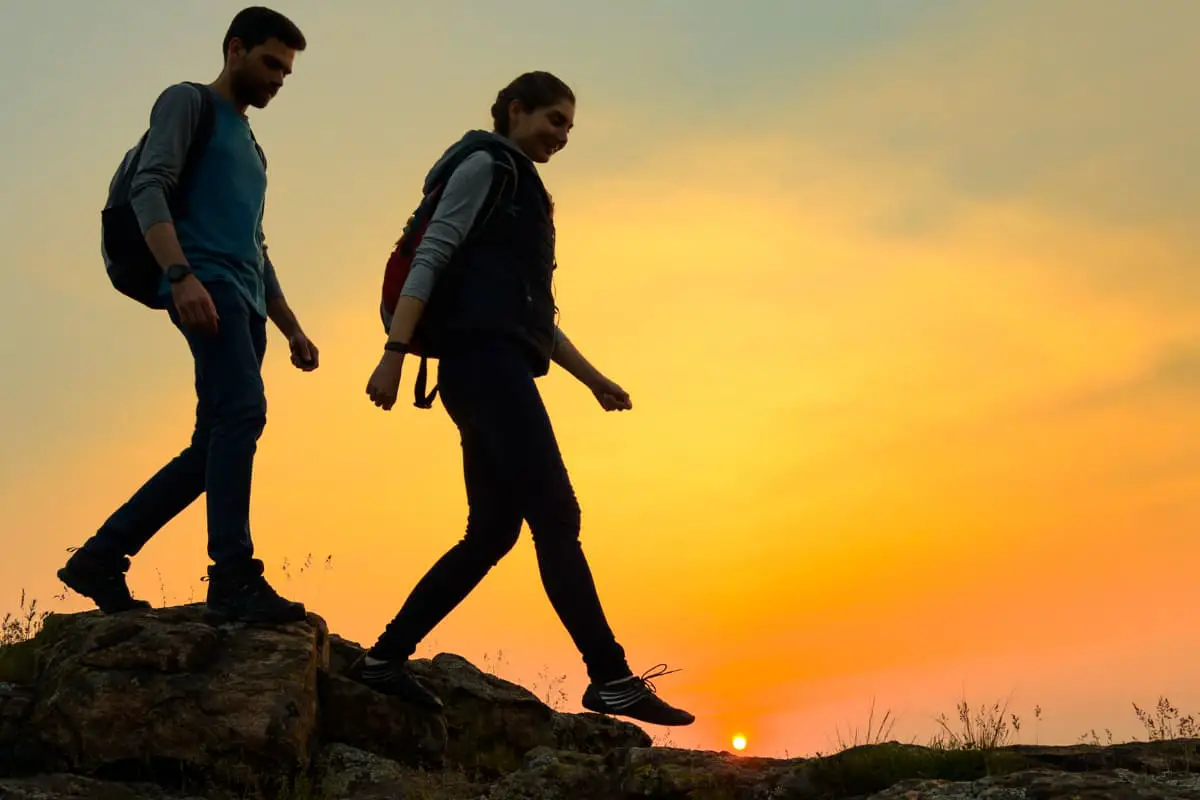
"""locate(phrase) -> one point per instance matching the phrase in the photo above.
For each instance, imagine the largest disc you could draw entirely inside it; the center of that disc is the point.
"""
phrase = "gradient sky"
(906, 295)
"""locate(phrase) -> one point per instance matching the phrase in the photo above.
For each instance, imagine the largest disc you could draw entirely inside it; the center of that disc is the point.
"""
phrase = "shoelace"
(657, 671)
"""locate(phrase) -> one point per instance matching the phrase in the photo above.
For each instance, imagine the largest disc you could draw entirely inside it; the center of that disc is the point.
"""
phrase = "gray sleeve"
(172, 121)
(462, 197)
(272, 289)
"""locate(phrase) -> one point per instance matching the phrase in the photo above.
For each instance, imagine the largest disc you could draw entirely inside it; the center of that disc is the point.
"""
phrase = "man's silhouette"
(219, 287)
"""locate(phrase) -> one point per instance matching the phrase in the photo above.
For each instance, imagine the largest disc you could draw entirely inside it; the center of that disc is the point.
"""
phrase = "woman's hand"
(610, 396)
(384, 384)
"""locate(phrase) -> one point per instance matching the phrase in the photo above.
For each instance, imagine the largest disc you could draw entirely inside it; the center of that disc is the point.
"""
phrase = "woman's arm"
(567, 356)
(462, 198)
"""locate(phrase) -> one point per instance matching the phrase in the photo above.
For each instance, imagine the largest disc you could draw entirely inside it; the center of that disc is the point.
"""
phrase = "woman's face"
(542, 132)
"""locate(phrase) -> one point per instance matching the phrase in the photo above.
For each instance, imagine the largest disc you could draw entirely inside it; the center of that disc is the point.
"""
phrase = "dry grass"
(22, 625)
(873, 733)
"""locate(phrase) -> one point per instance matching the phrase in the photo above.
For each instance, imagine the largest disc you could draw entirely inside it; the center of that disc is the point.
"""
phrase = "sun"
(739, 742)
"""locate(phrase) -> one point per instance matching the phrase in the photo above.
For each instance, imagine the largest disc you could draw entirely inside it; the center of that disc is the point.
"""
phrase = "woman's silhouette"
(487, 301)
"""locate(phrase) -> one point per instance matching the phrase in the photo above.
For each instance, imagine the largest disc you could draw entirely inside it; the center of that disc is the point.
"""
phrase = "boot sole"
(424, 705)
(434, 706)
(679, 723)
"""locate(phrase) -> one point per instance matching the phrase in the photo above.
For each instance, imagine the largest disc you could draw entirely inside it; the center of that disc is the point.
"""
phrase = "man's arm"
(462, 198)
(172, 122)
(277, 306)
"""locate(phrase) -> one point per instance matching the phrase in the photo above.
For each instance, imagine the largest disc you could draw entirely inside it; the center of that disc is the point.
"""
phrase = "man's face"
(257, 74)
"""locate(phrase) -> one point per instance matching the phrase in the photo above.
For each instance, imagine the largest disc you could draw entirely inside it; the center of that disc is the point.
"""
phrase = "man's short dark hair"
(255, 25)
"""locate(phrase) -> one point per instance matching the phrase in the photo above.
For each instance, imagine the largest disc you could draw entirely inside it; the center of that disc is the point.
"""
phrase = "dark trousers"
(231, 411)
(514, 472)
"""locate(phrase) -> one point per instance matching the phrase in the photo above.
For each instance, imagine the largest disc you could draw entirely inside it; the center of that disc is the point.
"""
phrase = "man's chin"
(263, 99)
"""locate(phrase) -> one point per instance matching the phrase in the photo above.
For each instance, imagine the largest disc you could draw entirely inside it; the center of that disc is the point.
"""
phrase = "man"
(219, 287)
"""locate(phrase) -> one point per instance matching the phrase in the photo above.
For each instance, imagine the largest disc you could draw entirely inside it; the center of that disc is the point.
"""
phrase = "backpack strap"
(258, 149)
(500, 194)
(420, 398)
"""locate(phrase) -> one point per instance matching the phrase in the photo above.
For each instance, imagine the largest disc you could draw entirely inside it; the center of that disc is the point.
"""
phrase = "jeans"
(231, 412)
(514, 473)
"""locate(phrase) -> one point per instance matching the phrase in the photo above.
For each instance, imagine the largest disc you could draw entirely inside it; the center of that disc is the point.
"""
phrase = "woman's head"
(536, 112)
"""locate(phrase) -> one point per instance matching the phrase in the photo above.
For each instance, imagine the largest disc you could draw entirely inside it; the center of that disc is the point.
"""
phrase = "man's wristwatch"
(396, 347)
(177, 272)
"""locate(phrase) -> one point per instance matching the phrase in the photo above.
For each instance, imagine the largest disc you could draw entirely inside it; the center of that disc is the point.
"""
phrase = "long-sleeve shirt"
(221, 235)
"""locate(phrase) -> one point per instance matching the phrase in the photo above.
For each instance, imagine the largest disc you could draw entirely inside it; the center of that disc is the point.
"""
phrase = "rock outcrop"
(160, 705)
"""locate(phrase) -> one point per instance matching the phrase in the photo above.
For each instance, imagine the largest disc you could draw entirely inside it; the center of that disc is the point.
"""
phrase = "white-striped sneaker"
(635, 696)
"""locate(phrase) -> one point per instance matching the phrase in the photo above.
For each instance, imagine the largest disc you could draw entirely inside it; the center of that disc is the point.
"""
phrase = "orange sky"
(909, 325)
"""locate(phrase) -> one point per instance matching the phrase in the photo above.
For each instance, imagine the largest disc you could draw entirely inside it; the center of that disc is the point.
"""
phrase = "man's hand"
(610, 396)
(384, 384)
(304, 353)
(195, 305)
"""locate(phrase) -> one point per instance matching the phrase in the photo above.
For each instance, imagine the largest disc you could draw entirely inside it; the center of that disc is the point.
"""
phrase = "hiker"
(488, 304)
(209, 269)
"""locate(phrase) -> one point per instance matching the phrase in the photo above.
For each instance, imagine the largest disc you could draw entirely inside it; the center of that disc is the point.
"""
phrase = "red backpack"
(399, 263)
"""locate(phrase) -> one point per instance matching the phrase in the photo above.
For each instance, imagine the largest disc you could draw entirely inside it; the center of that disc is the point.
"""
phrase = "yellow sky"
(912, 351)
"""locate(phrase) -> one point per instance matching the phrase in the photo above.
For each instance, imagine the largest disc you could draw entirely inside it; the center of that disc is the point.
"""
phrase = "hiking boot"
(101, 580)
(635, 697)
(395, 679)
(240, 593)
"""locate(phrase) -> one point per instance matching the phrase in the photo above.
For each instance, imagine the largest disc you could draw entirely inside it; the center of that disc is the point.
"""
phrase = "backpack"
(132, 268)
(399, 263)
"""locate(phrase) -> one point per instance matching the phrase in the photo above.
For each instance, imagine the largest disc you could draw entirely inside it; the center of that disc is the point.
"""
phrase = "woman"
(493, 318)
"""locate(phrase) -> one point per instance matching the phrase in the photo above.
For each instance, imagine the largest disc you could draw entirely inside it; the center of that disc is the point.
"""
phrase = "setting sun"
(739, 742)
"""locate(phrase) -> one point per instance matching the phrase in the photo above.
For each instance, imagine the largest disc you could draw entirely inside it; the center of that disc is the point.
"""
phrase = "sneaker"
(395, 679)
(636, 697)
(101, 580)
(241, 594)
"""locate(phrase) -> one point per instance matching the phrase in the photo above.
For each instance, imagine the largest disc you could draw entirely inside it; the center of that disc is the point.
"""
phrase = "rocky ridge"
(160, 705)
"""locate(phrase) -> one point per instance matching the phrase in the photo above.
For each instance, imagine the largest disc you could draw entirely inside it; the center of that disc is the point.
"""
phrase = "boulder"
(19, 752)
(675, 772)
(490, 723)
(549, 774)
(1047, 784)
(385, 726)
(163, 691)
(76, 787)
(346, 773)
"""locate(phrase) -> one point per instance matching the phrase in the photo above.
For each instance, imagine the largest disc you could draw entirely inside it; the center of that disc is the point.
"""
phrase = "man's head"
(536, 112)
(259, 49)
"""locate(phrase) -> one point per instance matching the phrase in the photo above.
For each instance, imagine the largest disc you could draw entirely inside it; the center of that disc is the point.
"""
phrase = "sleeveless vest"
(499, 282)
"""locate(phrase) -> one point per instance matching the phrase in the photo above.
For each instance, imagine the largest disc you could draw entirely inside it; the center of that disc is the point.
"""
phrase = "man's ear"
(237, 49)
